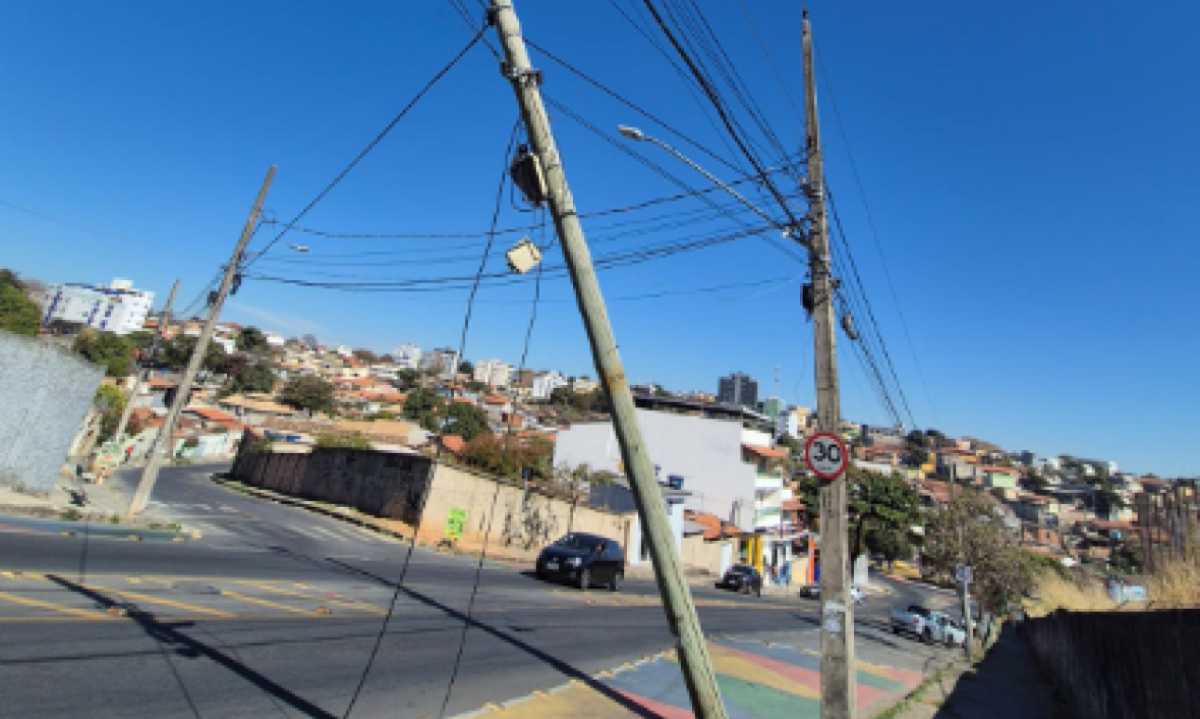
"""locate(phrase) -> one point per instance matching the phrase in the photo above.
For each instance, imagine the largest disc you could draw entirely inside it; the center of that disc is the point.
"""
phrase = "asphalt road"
(275, 612)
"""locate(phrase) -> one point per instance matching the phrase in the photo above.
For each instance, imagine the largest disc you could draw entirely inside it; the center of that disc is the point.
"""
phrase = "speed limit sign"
(826, 455)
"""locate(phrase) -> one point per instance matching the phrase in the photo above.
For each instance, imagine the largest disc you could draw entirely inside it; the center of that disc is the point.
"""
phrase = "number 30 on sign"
(826, 455)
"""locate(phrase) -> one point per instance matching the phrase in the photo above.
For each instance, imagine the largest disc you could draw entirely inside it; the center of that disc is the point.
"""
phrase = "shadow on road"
(566, 669)
(188, 647)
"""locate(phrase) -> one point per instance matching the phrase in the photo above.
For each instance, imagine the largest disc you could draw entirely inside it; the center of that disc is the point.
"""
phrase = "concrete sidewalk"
(758, 680)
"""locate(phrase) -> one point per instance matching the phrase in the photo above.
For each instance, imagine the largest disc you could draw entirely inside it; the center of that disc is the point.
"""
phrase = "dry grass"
(1175, 586)
(1054, 593)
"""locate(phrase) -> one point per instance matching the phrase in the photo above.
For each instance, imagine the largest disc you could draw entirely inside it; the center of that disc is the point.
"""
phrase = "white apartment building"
(545, 383)
(792, 422)
(118, 308)
(703, 455)
(493, 372)
(443, 361)
(274, 339)
(407, 356)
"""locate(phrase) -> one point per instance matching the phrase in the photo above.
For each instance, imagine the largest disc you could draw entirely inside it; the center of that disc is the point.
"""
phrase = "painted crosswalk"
(33, 597)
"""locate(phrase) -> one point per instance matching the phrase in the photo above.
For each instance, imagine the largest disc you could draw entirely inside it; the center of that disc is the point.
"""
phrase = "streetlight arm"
(635, 134)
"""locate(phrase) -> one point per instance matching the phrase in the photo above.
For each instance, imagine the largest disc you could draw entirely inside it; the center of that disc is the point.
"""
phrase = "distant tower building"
(739, 389)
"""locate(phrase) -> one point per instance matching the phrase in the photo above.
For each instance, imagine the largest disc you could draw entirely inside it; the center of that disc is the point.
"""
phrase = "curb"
(307, 505)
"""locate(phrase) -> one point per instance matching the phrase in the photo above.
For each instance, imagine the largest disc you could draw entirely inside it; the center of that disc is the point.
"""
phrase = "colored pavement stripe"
(756, 682)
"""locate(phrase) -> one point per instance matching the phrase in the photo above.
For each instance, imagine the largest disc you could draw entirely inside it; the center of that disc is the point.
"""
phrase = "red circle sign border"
(845, 456)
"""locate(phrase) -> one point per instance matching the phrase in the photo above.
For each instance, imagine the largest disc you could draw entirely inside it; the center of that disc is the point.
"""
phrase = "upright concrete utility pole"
(837, 619)
(144, 375)
(652, 510)
(165, 441)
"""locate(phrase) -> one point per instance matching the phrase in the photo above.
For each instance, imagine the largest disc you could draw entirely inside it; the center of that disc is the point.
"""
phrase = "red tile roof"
(160, 383)
(465, 400)
(768, 452)
(212, 415)
(712, 525)
(1001, 470)
(453, 443)
(495, 400)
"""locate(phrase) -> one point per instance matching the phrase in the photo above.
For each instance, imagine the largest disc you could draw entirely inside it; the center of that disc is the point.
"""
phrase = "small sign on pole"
(826, 455)
(962, 573)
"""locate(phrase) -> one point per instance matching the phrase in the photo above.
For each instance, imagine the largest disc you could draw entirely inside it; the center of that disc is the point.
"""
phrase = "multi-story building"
(545, 383)
(442, 361)
(738, 388)
(118, 308)
(792, 422)
(772, 407)
(493, 372)
(583, 385)
(407, 356)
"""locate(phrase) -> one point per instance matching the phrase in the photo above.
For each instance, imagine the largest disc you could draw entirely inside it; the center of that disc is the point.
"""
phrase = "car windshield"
(918, 610)
(578, 541)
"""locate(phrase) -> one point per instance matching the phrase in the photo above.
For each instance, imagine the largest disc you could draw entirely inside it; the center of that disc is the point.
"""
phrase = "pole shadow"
(189, 647)
(566, 669)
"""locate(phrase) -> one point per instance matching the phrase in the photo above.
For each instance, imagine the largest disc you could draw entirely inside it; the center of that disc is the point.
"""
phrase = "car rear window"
(741, 569)
(919, 611)
(578, 541)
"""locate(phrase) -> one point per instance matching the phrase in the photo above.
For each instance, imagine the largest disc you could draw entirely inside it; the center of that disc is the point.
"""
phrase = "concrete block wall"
(45, 393)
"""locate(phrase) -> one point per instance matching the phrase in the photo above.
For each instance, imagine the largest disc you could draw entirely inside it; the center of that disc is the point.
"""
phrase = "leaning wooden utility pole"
(144, 376)
(652, 511)
(164, 444)
(837, 617)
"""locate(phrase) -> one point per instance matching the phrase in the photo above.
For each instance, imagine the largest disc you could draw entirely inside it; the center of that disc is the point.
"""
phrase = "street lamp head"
(631, 132)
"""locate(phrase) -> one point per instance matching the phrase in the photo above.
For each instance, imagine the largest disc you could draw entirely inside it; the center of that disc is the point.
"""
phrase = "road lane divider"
(151, 599)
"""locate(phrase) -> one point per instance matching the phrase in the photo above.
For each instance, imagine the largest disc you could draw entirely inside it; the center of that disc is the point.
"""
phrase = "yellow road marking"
(352, 604)
(53, 607)
(264, 602)
(159, 600)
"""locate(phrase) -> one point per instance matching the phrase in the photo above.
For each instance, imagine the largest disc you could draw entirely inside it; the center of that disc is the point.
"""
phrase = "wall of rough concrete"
(384, 484)
(45, 392)
(494, 514)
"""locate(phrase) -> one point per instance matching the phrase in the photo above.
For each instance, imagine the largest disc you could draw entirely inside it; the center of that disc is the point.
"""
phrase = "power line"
(371, 145)
(714, 98)
(862, 193)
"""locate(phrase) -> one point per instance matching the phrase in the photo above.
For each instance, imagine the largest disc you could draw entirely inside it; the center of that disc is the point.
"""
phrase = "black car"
(584, 560)
(742, 578)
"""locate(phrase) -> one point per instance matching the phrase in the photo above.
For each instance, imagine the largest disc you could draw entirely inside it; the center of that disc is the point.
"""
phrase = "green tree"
(407, 378)
(425, 407)
(972, 529)
(105, 348)
(255, 378)
(1033, 481)
(176, 354)
(917, 456)
(467, 421)
(18, 313)
(792, 444)
(465, 367)
(251, 339)
(312, 394)
(883, 502)
(891, 543)
(110, 401)
(141, 339)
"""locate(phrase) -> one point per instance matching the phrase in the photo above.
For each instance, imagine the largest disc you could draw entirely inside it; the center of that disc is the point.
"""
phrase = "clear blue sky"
(1031, 168)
